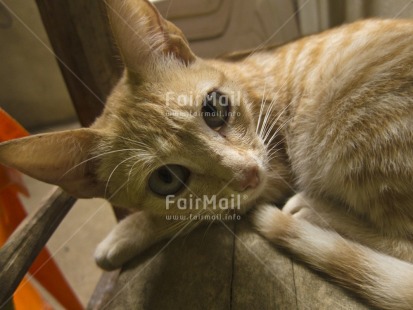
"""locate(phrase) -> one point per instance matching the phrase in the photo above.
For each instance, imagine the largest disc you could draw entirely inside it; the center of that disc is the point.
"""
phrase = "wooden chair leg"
(81, 39)
(27, 241)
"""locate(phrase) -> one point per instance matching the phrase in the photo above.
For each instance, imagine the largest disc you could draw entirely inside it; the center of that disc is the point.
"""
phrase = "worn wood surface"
(192, 272)
(223, 267)
(104, 290)
(24, 244)
(79, 33)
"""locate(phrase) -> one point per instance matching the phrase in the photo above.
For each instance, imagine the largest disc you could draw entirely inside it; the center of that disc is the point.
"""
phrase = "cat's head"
(175, 129)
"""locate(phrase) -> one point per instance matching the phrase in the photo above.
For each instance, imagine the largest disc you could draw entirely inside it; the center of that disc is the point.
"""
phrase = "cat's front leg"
(299, 207)
(273, 224)
(134, 234)
(385, 281)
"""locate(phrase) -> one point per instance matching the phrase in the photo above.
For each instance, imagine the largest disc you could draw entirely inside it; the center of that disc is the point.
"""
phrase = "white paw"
(298, 206)
(129, 238)
(112, 253)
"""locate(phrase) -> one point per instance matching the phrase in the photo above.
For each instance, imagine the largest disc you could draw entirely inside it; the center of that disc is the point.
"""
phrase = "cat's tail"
(384, 281)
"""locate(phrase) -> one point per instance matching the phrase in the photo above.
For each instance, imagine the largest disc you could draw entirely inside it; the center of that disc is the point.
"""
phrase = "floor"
(73, 243)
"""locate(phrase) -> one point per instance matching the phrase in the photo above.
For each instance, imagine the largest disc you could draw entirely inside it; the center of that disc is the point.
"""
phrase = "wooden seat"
(224, 266)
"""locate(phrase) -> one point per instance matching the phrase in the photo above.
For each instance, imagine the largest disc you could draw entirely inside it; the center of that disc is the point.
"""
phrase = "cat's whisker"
(272, 104)
(97, 156)
(262, 116)
(273, 101)
(145, 158)
(263, 99)
(270, 147)
(267, 115)
(273, 156)
(279, 129)
(259, 117)
(138, 143)
(276, 121)
(267, 132)
(274, 149)
(113, 171)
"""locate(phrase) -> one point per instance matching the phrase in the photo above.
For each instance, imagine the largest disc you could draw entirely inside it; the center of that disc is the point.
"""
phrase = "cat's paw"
(112, 253)
(271, 222)
(129, 237)
(304, 208)
(299, 207)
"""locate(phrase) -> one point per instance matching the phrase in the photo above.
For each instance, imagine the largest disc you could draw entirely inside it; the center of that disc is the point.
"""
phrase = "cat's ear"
(61, 158)
(142, 33)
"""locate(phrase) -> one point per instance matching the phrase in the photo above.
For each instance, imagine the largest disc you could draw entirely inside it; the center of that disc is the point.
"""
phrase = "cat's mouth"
(251, 194)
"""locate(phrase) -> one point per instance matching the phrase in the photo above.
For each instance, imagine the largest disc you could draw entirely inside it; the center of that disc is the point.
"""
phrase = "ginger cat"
(329, 116)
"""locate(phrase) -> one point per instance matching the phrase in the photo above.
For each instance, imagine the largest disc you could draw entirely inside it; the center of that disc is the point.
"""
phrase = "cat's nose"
(250, 178)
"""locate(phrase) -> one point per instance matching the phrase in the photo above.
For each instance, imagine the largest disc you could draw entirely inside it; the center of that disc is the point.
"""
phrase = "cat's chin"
(251, 197)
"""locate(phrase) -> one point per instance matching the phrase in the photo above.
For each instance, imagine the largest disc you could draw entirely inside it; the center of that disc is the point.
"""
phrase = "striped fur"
(349, 141)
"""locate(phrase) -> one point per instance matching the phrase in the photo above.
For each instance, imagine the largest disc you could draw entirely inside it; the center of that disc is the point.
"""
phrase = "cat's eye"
(168, 179)
(215, 109)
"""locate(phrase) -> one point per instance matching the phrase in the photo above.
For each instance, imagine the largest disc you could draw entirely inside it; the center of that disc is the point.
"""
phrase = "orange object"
(44, 269)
